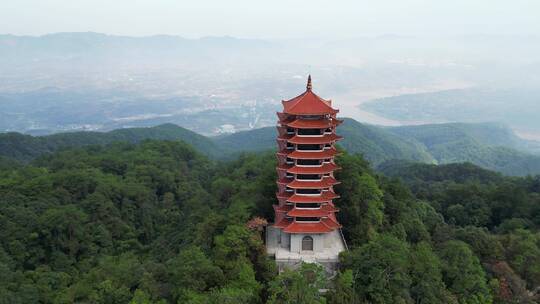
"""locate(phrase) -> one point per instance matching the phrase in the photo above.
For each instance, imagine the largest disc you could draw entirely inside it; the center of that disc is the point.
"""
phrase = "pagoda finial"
(308, 86)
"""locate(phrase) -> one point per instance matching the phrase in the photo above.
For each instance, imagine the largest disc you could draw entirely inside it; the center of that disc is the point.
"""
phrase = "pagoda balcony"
(325, 154)
(315, 169)
(309, 147)
(309, 132)
(307, 205)
(321, 197)
(303, 123)
(309, 163)
(304, 212)
(315, 178)
(322, 139)
(307, 219)
(308, 191)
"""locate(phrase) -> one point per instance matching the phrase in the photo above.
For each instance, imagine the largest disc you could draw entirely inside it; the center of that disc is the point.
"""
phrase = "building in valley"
(305, 226)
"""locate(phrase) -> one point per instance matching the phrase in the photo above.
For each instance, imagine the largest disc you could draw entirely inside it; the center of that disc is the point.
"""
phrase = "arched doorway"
(307, 243)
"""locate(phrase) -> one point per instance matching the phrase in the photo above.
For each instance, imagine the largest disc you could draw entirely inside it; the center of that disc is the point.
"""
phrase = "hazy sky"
(272, 18)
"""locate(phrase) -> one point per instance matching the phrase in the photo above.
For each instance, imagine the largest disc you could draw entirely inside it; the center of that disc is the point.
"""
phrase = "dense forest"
(158, 222)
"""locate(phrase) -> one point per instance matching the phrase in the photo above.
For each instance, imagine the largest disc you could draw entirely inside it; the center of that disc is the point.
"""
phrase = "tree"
(380, 270)
(523, 254)
(299, 287)
(427, 285)
(361, 200)
(342, 291)
(463, 274)
(192, 271)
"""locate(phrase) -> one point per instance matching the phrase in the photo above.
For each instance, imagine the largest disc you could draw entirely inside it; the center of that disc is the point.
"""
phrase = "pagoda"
(305, 226)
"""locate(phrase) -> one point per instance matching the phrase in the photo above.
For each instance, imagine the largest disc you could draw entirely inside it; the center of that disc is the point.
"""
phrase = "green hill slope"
(378, 145)
(490, 146)
(248, 141)
(25, 147)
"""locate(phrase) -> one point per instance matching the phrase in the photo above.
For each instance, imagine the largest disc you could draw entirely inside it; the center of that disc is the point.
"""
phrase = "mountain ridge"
(430, 144)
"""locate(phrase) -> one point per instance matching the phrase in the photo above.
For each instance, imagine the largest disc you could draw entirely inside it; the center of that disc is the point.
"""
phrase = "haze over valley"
(214, 85)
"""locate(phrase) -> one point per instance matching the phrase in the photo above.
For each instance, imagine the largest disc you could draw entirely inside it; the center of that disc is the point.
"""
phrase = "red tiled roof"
(282, 116)
(325, 168)
(281, 195)
(284, 208)
(284, 181)
(283, 223)
(323, 211)
(312, 124)
(328, 153)
(308, 103)
(326, 182)
(330, 223)
(296, 227)
(325, 139)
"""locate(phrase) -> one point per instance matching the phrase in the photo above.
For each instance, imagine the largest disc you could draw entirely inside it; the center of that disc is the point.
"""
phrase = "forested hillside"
(25, 147)
(157, 222)
(490, 146)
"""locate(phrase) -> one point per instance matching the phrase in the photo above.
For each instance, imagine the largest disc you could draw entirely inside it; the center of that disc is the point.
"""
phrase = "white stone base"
(286, 249)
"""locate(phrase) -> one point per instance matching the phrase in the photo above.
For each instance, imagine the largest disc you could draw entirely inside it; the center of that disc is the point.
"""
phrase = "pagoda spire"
(308, 86)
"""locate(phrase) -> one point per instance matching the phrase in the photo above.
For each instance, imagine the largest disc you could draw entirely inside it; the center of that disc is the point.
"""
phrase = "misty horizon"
(267, 20)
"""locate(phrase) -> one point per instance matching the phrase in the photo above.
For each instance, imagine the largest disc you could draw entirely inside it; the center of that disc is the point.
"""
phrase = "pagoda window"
(326, 174)
(306, 219)
(308, 177)
(308, 162)
(290, 146)
(327, 146)
(308, 191)
(328, 130)
(289, 175)
(308, 147)
(290, 130)
(309, 132)
(307, 243)
(289, 161)
(308, 206)
(327, 160)
(289, 189)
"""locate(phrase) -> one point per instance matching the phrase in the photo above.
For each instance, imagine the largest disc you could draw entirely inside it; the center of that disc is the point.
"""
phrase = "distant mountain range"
(491, 146)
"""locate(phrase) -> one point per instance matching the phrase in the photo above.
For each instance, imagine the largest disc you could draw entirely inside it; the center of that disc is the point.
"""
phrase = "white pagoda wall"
(296, 242)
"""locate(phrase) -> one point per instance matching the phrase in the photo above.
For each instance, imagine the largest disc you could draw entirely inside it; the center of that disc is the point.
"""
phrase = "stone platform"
(327, 256)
